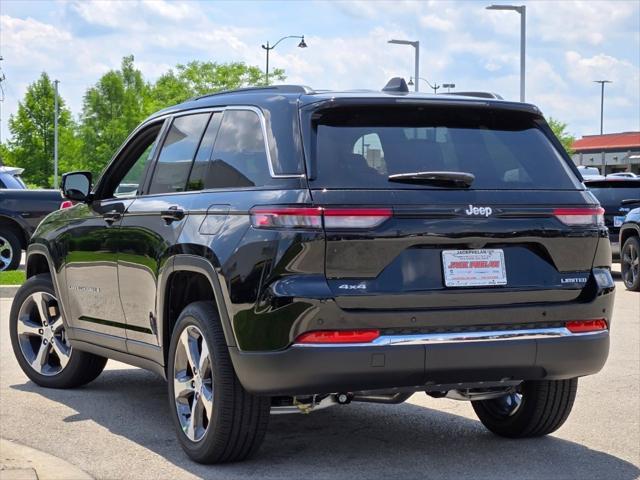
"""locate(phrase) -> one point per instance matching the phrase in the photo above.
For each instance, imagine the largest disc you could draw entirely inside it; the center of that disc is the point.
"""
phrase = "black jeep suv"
(281, 249)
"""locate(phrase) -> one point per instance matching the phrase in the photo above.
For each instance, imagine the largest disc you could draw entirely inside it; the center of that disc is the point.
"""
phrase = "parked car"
(622, 175)
(21, 210)
(288, 249)
(610, 193)
(630, 241)
(10, 178)
(590, 173)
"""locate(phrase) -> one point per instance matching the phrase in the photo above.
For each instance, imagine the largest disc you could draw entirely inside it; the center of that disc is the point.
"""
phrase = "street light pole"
(602, 82)
(268, 48)
(522, 10)
(434, 86)
(415, 45)
(55, 135)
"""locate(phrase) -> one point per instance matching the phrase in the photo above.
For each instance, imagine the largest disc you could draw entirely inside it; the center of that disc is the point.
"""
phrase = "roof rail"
(477, 94)
(266, 88)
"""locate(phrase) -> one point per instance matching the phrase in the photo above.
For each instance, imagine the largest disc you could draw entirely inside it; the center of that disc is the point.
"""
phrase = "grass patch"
(13, 277)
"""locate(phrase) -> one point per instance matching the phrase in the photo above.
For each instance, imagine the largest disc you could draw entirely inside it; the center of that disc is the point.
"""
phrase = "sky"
(569, 45)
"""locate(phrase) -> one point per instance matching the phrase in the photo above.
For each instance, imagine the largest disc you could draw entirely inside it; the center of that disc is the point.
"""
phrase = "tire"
(234, 426)
(630, 264)
(542, 408)
(43, 343)
(10, 250)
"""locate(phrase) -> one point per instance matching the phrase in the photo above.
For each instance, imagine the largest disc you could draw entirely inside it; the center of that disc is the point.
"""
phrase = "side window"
(239, 157)
(370, 147)
(140, 154)
(203, 157)
(176, 157)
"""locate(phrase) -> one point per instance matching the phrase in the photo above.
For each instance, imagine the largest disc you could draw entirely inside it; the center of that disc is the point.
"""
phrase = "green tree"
(31, 143)
(560, 130)
(199, 78)
(112, 108)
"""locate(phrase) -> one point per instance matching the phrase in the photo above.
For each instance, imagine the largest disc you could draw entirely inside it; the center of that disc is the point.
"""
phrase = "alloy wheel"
(193, 383)
(6, 253)
(41, 334)
(630, 264)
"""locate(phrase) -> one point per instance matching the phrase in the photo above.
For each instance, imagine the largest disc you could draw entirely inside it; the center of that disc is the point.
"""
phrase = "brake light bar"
(313, 217)
(338, 336)
(582, 326)
(580, 216)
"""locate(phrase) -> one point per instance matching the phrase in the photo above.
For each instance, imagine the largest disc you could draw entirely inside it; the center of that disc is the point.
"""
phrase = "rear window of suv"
(359, 147)
(612, 192)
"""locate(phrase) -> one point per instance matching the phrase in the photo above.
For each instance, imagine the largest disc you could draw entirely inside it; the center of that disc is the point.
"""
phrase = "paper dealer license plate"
(474, 268)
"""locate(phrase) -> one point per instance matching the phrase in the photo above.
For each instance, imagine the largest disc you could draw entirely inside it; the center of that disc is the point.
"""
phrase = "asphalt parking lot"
(119, 427)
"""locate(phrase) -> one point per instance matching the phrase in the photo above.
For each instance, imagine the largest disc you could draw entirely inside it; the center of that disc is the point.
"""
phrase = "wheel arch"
(627, 232)
(17, 227)
(189, 278)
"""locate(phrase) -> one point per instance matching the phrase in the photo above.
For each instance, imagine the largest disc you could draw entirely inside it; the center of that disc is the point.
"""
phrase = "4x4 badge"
(486, 211)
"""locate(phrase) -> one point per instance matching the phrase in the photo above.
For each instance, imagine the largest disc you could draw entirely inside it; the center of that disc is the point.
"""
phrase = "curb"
(8, 291)
(18, 461)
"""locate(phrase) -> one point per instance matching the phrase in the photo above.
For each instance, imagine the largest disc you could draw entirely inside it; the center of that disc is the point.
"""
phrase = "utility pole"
(55, 136)
(601, 82)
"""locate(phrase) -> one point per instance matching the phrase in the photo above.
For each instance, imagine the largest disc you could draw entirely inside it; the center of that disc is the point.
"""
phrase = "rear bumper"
(320, 369)
(527, 342)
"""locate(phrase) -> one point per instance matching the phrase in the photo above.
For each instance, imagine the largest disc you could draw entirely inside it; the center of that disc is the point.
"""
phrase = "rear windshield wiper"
(440, 179)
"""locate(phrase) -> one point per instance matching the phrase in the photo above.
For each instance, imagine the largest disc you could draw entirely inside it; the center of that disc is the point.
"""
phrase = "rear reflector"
(339, 336)
(580, 216)
(313, 217)
(66, 204)
(581, 326)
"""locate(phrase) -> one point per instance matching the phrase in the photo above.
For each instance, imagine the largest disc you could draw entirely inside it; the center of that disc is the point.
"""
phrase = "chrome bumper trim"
(460, 337)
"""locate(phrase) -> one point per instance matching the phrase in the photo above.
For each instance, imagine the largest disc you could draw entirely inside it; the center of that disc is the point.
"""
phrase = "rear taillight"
(580, 216)
(582, 326)
(286, 217)
(307, 217)
(66, 204)
(338, 336)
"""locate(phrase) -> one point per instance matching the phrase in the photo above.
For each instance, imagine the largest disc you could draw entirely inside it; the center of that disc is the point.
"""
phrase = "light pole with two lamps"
(268, 48)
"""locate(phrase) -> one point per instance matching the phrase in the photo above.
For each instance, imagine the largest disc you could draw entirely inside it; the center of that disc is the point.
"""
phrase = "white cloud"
(436, 22)
(569, 45)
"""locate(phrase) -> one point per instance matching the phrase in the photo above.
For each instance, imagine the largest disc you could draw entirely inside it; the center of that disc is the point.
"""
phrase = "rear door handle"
(111, 217)
(172, 214)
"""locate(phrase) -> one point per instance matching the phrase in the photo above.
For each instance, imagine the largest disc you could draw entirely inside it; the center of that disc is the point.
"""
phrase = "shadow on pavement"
(356, 441)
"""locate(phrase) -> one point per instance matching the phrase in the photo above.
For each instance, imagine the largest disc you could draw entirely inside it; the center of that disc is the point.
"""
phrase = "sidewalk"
(19, 462)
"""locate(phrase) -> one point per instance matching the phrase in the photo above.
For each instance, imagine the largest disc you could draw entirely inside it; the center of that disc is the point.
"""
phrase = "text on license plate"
(474, 268)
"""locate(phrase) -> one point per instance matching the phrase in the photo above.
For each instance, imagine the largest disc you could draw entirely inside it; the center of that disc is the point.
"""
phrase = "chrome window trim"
(263, 124)
(256, 110)
(460, 337)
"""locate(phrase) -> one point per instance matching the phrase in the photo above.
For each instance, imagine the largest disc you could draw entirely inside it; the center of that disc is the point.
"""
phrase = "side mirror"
(76, 186)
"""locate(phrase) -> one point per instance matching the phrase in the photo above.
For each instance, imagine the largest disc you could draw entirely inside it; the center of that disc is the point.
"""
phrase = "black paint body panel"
(271, 285)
